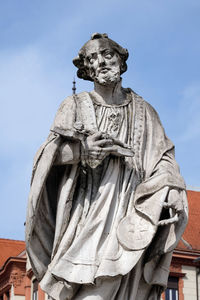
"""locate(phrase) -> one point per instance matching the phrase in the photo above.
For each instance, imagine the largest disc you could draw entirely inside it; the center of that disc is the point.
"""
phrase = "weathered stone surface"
(107, 203)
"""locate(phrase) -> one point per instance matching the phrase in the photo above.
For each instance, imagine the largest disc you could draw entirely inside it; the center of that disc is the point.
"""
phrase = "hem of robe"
(60, 289)
(54, 288)
(87, 273)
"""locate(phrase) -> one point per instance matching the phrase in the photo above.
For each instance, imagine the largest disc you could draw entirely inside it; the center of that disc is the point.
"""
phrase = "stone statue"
(107, 204)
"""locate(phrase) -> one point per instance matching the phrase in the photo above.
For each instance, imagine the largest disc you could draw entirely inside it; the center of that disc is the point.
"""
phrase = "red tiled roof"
(191, 236)
(10, 248)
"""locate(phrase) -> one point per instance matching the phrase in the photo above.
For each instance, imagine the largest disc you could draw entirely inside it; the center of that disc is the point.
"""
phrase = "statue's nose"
(101, 60)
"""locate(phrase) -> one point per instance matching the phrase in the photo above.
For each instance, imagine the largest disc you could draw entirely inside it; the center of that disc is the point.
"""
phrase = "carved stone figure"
(107, 204)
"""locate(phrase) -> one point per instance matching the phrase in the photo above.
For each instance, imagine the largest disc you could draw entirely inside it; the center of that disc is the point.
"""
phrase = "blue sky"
(39, 39)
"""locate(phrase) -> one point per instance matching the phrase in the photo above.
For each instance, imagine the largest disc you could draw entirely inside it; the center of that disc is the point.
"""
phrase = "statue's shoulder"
(146, 105)
(66, 114)
(66, 104)
(70, 102)
(136, 97)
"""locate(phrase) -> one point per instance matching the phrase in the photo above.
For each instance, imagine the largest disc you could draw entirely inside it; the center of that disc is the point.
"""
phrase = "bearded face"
(103, 63)
(107, 75)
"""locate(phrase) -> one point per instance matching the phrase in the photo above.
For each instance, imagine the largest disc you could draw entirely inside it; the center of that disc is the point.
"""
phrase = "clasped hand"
(99, 145)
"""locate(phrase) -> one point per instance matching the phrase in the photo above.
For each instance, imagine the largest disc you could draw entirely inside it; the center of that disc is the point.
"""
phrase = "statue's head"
(101, 60)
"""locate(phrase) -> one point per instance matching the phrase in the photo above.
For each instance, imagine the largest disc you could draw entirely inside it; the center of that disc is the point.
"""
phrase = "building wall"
(189, 283)
(41, 294)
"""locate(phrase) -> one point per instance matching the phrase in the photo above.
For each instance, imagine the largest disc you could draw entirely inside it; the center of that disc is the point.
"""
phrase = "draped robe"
(90, 220)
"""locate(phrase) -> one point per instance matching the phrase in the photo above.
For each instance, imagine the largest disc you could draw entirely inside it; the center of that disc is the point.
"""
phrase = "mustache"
(107, 77)
(107, 72)
(100, 69)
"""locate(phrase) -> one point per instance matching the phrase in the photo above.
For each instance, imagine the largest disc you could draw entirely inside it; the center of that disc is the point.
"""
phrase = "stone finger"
(96, 136)
(104, 142)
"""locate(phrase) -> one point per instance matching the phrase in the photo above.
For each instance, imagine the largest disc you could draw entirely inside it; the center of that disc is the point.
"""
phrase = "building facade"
(16, 282)
(184, 279)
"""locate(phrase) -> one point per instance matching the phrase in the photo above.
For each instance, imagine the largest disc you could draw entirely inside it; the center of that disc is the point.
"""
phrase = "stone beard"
(106, 76)
(107, 204)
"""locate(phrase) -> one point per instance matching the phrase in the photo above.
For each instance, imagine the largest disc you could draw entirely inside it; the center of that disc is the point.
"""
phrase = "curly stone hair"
(79, 61)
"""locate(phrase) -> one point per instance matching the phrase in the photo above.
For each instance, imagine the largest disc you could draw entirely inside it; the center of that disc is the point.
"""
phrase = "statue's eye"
(91, 60)
(108, 54)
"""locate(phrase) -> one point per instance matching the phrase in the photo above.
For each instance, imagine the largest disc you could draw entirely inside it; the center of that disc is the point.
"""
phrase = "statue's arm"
(68, 153)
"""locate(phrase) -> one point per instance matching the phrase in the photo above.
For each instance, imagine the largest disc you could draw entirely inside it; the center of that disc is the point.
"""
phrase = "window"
(171, 292)
(35, 290)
